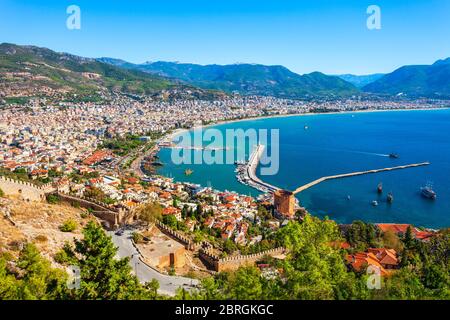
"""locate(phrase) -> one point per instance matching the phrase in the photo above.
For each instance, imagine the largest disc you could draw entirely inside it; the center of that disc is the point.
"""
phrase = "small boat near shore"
(390, 197)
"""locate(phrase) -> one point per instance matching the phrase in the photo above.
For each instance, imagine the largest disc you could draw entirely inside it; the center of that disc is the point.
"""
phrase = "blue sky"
(312, 35)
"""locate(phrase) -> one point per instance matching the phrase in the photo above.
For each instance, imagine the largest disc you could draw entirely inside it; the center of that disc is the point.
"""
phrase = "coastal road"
(167, 284)
(136, 165)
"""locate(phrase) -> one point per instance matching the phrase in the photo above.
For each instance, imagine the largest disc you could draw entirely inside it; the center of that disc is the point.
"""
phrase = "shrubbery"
(68, 226)
(102, 275)
(137, 237)
(52, 199)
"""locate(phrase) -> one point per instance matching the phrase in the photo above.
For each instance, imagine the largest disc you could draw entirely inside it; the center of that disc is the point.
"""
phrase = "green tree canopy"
(102, 275)
(32, 278)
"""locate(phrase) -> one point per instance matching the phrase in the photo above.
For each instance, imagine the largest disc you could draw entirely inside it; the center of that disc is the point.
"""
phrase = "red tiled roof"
(171, 211)
(401, 229)
(385, 256)
(424, 235)
(360, 260)
(96, 157)
(394, 227)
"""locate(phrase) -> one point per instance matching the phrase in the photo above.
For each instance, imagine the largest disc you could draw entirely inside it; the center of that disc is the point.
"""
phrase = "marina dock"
(247, 172)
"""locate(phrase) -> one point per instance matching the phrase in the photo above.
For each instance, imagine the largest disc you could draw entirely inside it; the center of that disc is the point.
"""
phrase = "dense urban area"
(79, 187)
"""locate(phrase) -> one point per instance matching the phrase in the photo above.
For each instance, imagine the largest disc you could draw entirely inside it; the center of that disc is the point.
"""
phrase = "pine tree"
(102, 275)
(408, 239)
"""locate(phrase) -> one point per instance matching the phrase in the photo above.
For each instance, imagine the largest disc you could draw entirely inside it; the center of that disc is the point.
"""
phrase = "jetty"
(359, 173)
(247, 172)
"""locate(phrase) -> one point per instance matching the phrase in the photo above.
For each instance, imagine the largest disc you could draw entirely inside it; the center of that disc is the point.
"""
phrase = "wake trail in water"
(348, 151)
(368, 153)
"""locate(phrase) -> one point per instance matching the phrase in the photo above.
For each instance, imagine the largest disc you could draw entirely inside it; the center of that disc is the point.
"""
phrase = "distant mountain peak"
(415, 81)
(251, 79)
(442, 62)
(360, 80)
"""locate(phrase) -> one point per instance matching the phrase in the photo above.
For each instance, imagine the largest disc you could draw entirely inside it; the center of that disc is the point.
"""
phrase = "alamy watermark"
(74, 277)
(374, 279)
(210, 146)
(73, 21)
(374, 20)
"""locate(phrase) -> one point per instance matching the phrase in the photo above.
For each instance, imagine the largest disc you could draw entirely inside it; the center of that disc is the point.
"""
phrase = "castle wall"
(175, 235)
(24, 190)
(176, 259)
(233, 263)
(111, 216)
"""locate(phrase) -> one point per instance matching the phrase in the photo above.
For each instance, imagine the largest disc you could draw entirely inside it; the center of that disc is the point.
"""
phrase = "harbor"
(310, 154)
(359, 173)
(246, 172)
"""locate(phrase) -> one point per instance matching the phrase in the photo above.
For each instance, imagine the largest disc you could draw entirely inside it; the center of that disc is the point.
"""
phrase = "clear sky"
(312, 35)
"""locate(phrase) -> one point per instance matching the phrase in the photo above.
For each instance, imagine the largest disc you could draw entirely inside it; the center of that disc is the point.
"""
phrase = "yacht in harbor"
(428, 192)
(380, 188)
(390, 197)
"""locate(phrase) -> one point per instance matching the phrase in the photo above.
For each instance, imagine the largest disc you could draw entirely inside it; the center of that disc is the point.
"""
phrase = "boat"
(428, 192)
(375, 203)
(390, 197)
(348, 197)
(306, 127)
(393, 156)
(188, 172)
(380, 188)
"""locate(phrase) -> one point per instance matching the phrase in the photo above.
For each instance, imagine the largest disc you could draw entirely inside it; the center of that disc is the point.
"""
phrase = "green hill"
(40, 71)
(417, 80)
(247, 79)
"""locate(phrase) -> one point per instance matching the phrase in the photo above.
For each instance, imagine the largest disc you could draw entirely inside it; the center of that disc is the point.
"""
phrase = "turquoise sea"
(343, 143)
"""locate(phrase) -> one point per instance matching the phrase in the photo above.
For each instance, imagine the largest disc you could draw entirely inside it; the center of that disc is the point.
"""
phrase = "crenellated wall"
(174, 234)
(25, 190)
(234, 262)
(113, 217)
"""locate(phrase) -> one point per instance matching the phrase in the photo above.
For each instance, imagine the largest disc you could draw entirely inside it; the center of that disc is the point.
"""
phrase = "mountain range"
(41, 71)
(416, 81)
(248, 79)
(31, 70)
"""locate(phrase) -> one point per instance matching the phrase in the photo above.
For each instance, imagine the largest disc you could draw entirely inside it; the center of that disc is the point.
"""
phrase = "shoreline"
(174, 134)
(177, 132)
